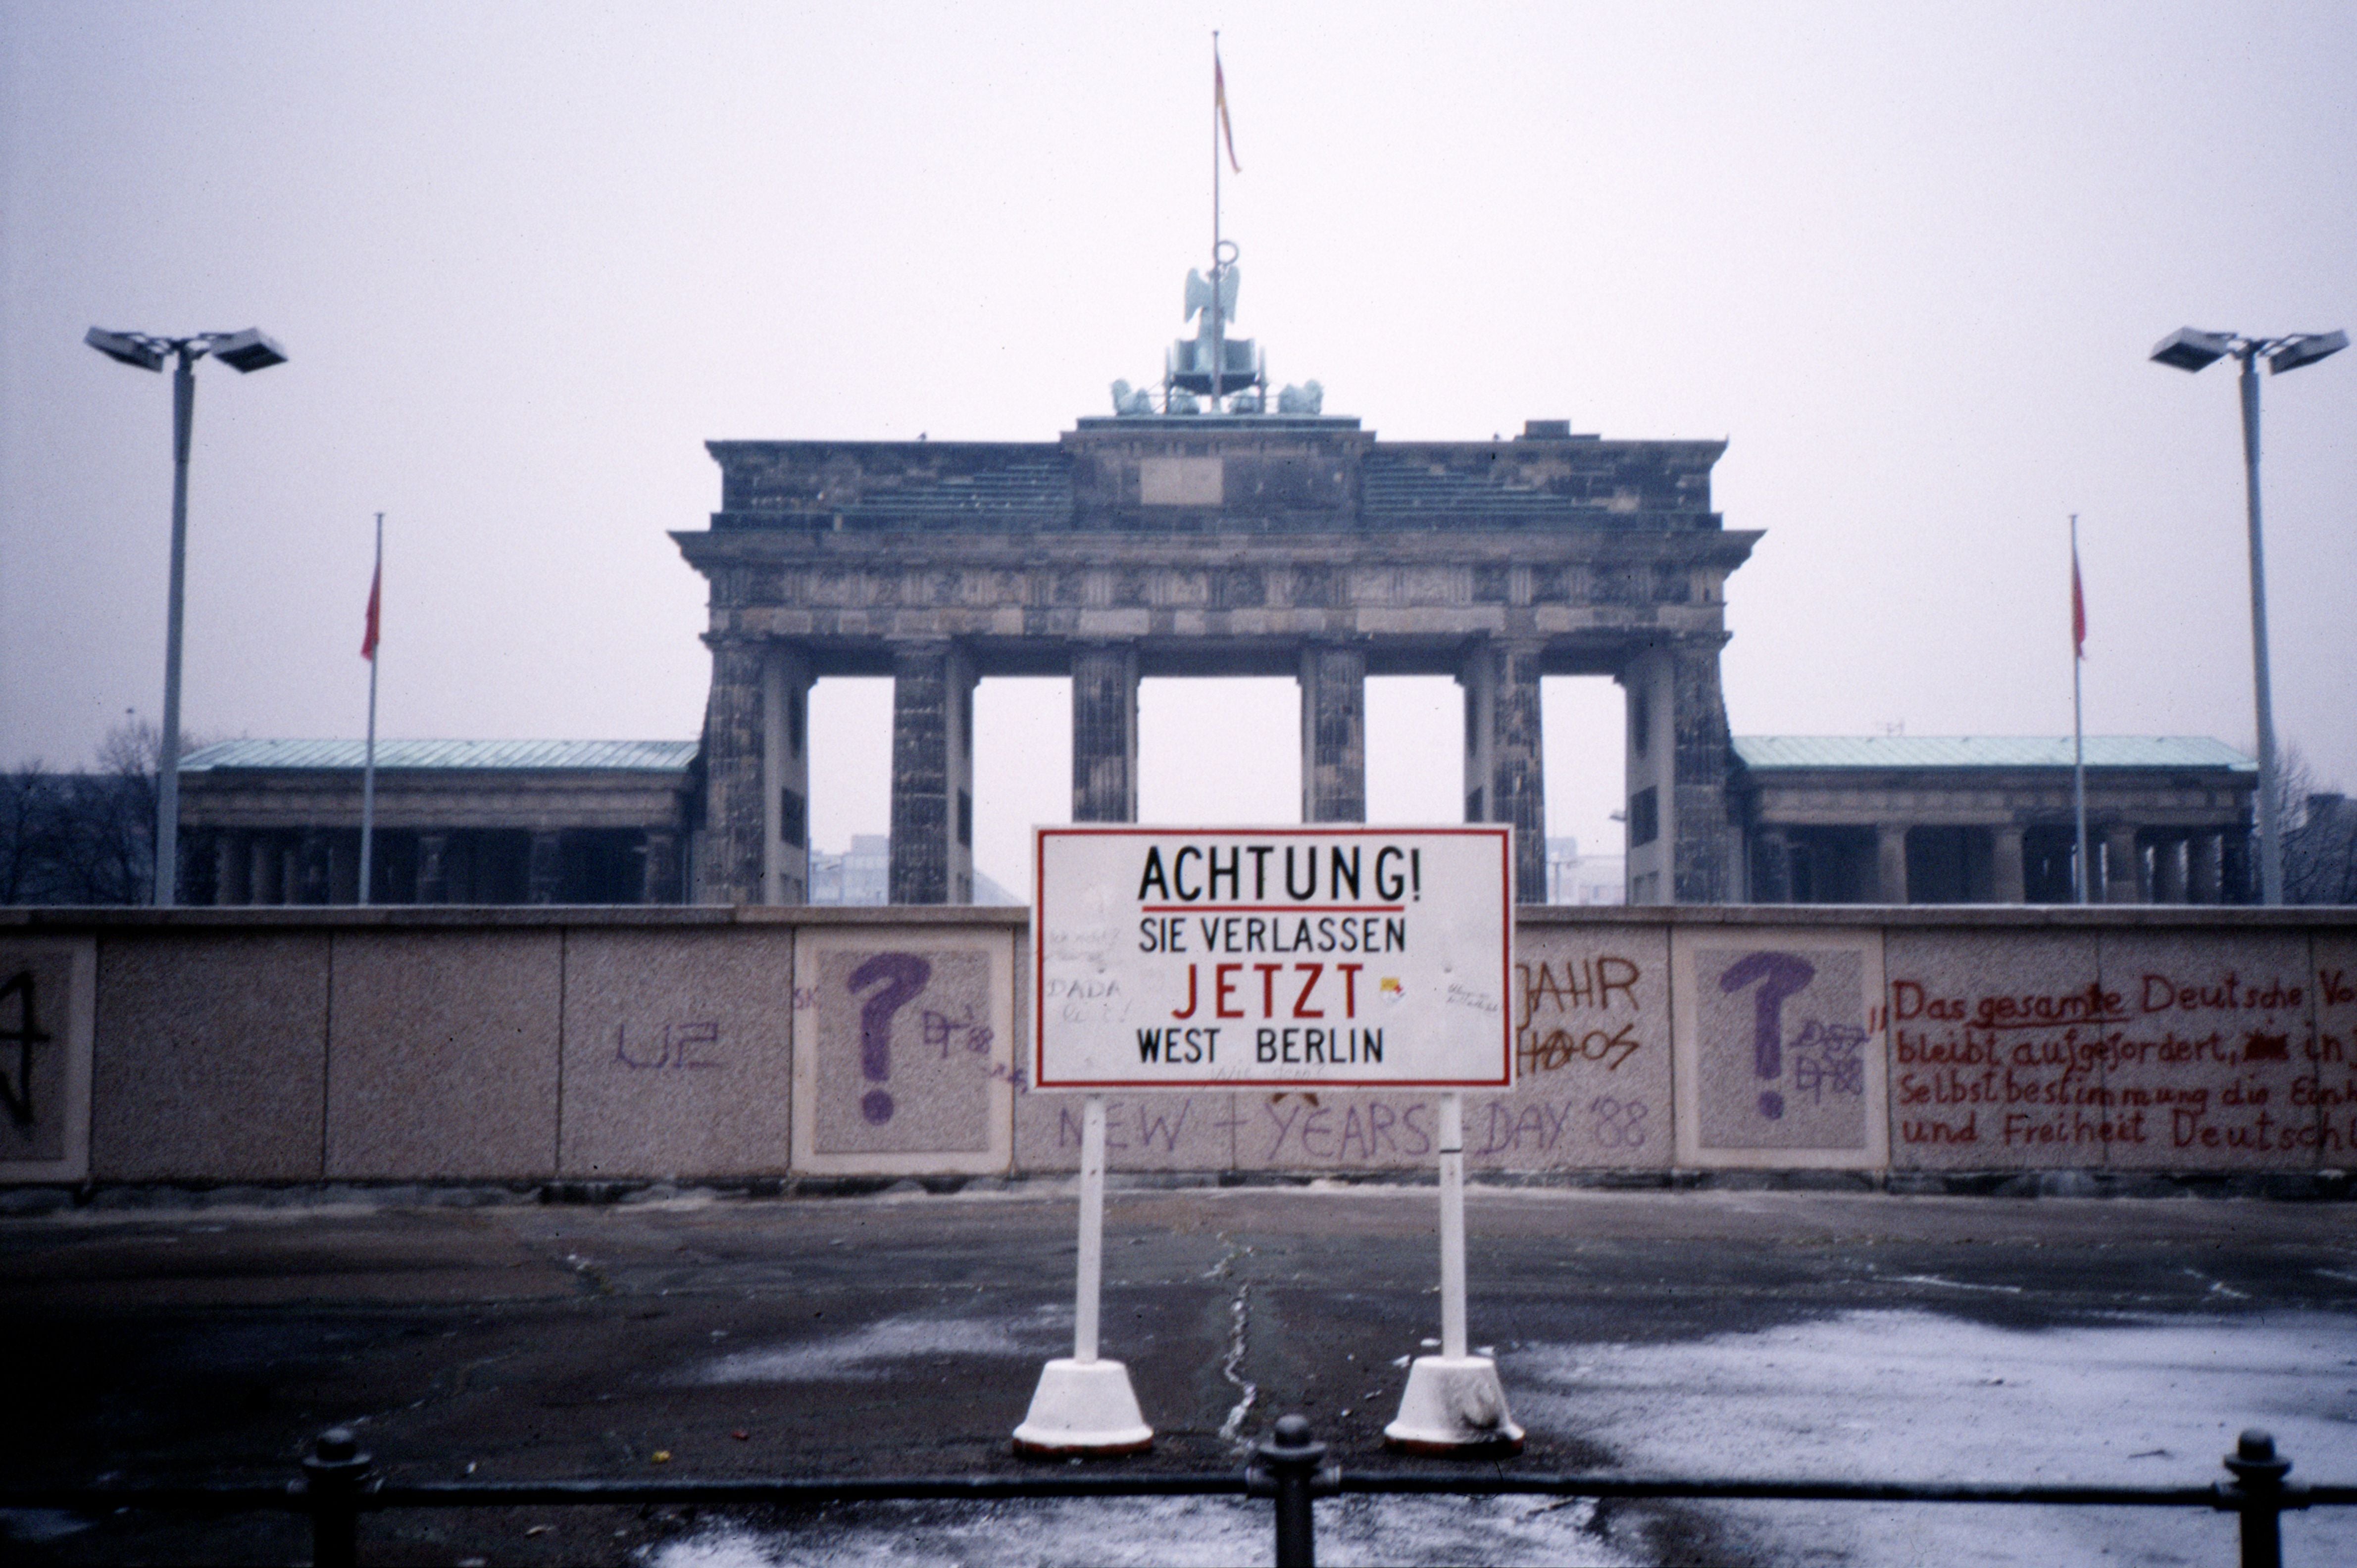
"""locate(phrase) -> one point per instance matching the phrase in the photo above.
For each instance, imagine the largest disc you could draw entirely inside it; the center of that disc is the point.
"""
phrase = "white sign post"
(1320, 957)
(1083, 1405)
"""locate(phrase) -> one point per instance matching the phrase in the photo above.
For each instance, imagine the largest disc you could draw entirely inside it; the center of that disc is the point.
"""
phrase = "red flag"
(368, 639)
(2078, 607)
(1219, 101)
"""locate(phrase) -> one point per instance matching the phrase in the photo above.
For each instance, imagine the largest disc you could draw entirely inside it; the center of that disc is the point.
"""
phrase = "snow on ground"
(874, 1350)
(1897, 1395)
(1162, 1533)
(1917, 1396)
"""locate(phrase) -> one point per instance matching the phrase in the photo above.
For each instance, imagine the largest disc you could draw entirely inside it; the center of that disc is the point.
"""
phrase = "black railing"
(340, 1483)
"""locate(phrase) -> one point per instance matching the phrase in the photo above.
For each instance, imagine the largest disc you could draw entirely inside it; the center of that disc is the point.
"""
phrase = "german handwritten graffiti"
(2166, 1058)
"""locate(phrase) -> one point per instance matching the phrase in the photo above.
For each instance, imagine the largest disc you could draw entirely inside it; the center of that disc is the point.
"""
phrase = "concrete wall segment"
(211, 1057)
(678, 1053)
(904, 1049)
(2213, 1063)
(443, 1057)
(2335, 1048)
(1995, 1056)
(1781, 1048)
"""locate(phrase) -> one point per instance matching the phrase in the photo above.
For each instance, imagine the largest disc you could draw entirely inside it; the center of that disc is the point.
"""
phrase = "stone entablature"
(1205, 545)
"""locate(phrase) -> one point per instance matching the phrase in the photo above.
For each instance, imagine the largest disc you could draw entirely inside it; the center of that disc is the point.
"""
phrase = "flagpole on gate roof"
(1219, 316)
(368, 766)
(2077, 728)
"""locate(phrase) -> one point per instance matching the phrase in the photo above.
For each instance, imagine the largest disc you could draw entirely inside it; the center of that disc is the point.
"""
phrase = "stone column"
(1334, 734)
(1771, 867)
(344, 867)
(2169, 870)
(545, 869)
(734, 813)
(434, 869)
(1702, 852)
(1105, 732)
(232, 868)
(2237, 867)
(785, 773)
(1649, 797)
(1890, 864)
(2203, 868)
(291, 857)
(659, 875)
(2120, 866)
(2010, 880)
(1478, 676)
(1517, 774)
(262, 868)
(932, 772)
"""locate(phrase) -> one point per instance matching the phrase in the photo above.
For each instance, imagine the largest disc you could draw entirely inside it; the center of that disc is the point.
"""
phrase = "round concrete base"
(1453, 1404)
(1084, 1408)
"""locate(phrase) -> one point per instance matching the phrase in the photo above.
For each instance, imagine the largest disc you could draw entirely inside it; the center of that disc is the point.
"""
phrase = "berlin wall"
(305, 1045)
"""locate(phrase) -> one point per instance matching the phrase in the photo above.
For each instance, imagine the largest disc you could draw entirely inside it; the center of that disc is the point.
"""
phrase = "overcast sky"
(1907, 260)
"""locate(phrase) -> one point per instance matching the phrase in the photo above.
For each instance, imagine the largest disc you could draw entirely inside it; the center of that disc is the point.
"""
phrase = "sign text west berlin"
(1323, 957)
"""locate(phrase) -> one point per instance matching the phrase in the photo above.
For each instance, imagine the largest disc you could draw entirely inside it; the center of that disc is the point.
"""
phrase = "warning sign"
(1328, 957)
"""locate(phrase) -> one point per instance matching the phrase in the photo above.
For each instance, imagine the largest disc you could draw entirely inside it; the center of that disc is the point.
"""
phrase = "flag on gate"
(376, 589)
(1219, 101)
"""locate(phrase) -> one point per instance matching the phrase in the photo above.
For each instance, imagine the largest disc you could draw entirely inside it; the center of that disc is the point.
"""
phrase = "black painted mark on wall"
(18, 1096)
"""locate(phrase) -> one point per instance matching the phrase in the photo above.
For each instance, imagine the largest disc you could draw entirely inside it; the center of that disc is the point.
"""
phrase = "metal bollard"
(2257, 1493)
(335, 1475)
(1287, 1467)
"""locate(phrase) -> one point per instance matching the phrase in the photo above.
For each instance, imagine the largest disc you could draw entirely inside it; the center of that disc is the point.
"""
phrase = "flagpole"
(368, 769)
(1219, 318)
(2078, 726)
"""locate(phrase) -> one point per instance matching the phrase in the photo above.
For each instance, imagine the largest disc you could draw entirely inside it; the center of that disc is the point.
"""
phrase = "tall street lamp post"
(243, 351)
(2191, 349)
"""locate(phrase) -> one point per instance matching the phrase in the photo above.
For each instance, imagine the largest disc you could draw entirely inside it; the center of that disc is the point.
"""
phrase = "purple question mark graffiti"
(1780, 974)
(904, 974)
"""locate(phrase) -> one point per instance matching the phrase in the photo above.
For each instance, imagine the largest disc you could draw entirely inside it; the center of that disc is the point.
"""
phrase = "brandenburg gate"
(1175, 543)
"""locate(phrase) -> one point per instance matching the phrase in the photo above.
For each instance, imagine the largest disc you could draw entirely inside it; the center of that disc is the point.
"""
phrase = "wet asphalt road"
(903, 1333)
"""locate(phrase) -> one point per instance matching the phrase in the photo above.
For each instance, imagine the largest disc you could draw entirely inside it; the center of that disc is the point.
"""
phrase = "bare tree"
(2320, 834)
(84, 837)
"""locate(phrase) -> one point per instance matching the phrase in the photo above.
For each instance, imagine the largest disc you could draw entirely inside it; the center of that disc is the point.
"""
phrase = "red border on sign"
(1039, 836)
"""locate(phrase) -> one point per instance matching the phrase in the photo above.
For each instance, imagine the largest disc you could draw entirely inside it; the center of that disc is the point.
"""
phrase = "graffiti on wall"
(1783, 1034)
(2159, 1055)
(904, 1046)
(45, 1027)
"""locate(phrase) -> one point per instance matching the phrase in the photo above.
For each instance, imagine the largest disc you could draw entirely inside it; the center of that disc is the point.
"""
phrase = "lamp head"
(2306, 350)
(2191, 349)
(248, 350)
(126, 347)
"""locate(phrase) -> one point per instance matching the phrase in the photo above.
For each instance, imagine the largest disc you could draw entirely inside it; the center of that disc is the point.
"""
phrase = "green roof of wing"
(1773, 751)
(348, 755)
